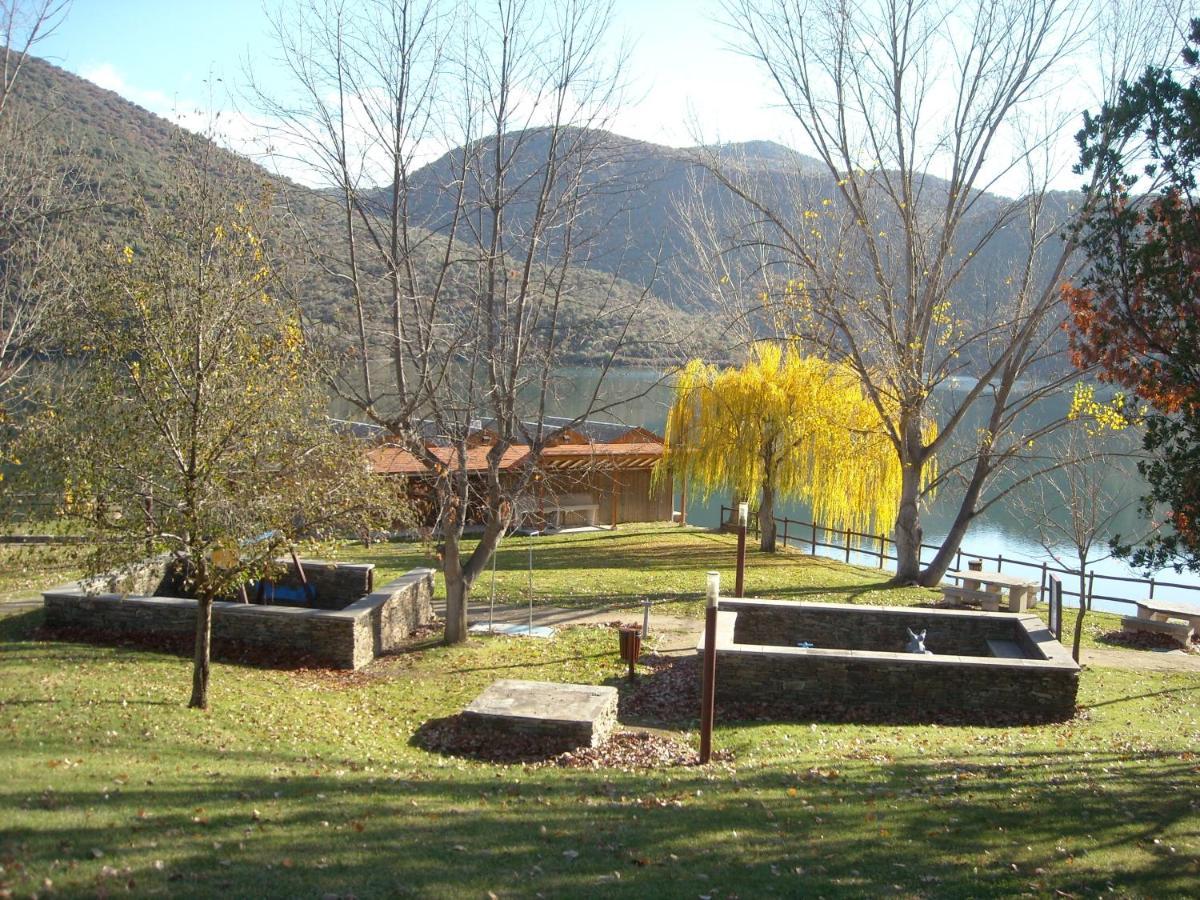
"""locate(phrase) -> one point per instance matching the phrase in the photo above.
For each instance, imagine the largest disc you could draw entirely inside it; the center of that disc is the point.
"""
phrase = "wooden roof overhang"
(559, 458)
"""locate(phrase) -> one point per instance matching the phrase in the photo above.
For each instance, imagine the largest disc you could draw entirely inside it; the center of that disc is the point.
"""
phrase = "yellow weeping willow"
(784, 426)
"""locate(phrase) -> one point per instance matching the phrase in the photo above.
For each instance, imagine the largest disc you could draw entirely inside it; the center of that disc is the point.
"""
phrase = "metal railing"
(799, 534)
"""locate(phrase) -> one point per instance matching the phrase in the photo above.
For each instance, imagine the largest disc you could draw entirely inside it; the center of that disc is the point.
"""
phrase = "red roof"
(398, 461)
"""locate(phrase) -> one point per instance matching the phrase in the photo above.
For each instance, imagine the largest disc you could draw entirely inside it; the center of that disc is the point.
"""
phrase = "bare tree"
(898, 272)
(39, 191)
(1075, 512)
(461, 309)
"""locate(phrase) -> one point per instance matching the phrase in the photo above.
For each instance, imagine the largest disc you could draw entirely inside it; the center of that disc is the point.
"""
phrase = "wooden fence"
(878, 547)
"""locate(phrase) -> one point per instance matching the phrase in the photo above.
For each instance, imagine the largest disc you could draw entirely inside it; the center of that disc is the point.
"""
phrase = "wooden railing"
(799, 534)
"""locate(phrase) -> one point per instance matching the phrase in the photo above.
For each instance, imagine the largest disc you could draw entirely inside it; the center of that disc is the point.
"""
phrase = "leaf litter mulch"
(1146, 640)
(626, 750)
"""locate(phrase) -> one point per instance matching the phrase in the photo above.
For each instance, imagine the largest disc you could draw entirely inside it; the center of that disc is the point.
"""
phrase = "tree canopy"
(1135, 312)
(197, 426)
(784, 426)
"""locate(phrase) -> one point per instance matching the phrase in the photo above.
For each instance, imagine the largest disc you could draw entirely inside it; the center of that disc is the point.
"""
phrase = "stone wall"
(348, 638)
(755, 666)
(843, 626)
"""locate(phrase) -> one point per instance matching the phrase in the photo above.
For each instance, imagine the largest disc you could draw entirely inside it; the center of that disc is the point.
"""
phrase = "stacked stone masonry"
(856, 661)
(346, 638)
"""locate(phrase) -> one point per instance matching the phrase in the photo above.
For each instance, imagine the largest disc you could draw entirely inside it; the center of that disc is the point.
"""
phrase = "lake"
(1008, 528)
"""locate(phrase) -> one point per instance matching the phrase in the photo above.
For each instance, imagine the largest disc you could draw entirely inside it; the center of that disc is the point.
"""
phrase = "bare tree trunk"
(1084, 601)
(456, 597)
(766, 517)
(932, 574)
(908, 527)
(200, 668)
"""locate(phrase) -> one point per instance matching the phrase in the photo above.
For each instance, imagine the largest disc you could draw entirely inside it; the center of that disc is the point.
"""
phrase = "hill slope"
(128, 152)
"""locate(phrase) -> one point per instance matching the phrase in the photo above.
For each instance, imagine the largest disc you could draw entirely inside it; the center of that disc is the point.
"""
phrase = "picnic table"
(1174, 619)
(987, 589)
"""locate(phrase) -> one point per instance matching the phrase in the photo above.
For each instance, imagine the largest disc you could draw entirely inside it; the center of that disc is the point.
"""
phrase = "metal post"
(645, 619)
(1042, 586)
(1000, 562)
(739, 584)
(492, 601)
(708, 686)
(1151, 588)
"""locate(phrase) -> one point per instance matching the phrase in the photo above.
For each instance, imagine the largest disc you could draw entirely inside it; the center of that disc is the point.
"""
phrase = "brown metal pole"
(709, 679)
(741, 561)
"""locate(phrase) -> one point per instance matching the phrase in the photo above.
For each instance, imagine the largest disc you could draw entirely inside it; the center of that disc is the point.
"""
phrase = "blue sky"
(167, 57)
(161, 54)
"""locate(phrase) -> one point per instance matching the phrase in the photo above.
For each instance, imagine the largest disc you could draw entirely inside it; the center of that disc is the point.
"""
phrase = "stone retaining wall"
(348, 638)
(842, 626)
(753, 667)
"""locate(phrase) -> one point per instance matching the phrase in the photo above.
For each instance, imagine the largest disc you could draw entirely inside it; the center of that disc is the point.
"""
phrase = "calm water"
(1008, 528)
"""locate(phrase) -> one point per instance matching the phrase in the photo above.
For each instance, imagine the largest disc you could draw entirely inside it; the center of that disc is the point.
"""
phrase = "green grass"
(306, 784)
(662, 563)
(666, 564)
(26, 569)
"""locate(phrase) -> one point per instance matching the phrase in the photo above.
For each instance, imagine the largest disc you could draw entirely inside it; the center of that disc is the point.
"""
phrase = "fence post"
(814, 538)
(847, 545)
(999, 562)
(882, 549)
(1151, 588)
(1042, 586)
(785, 525)
(1091, 585)
(958, 560)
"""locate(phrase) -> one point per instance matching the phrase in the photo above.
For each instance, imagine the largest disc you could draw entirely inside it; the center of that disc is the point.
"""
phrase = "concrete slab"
(513, 628)
(564, 716)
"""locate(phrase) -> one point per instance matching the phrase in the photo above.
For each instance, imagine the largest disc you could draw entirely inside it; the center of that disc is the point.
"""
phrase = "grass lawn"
(665, 564)
(306, 784)
(27, 568)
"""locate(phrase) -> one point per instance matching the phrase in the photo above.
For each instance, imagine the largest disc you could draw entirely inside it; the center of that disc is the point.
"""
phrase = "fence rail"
(799, 533)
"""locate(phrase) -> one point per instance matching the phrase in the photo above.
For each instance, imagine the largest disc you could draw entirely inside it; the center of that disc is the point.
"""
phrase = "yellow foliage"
(1098, 417)
(798, 424)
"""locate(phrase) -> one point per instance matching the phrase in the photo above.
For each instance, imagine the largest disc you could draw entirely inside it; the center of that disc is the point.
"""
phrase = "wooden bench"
(1005, 649)
(1181, 631)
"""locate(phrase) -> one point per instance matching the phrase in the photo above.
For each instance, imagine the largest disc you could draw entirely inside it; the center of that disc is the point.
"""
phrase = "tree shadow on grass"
(1017, 823)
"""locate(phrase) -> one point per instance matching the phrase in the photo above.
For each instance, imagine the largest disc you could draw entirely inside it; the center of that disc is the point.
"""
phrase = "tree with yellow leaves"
(783, 426)
(198, 426)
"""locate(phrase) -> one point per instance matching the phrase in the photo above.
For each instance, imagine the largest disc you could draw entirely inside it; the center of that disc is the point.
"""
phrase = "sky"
(185, 59)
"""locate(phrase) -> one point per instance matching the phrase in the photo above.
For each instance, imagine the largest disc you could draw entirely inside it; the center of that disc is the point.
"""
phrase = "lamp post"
(743, 514)
(708, 687)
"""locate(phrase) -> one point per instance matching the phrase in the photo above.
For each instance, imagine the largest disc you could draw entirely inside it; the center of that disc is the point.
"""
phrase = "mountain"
(645, 195)
(127, 154)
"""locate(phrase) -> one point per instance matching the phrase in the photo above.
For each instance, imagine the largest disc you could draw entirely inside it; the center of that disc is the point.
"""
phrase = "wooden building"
(581, 480)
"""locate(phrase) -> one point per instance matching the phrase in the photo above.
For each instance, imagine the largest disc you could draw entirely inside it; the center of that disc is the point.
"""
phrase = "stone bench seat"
(1161, 612)
(950, 592)
(1181, 631)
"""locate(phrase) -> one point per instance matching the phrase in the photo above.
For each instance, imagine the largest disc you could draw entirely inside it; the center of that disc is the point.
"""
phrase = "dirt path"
(1142, 660)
